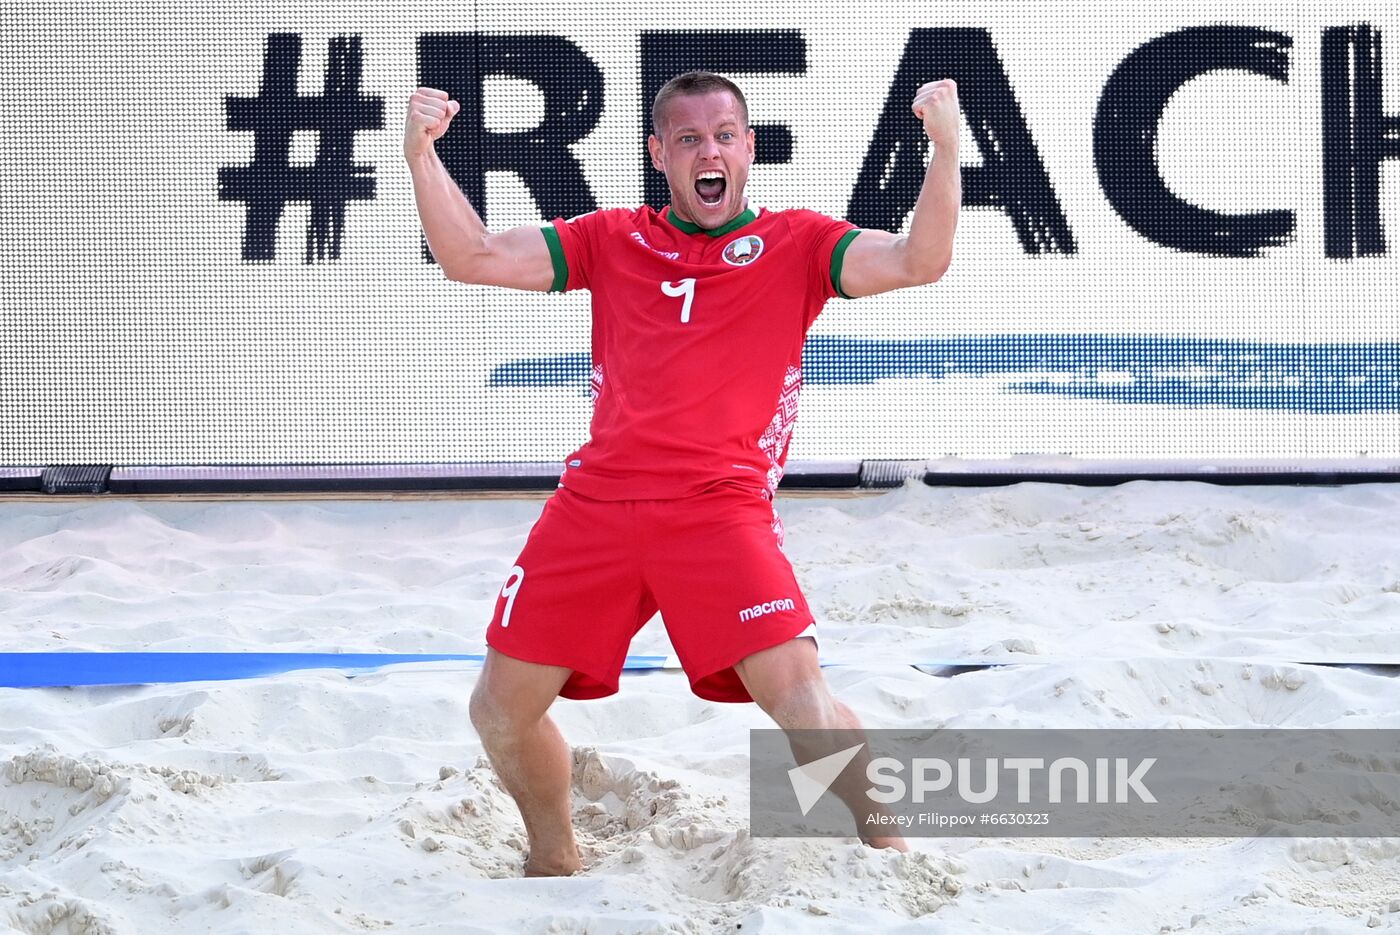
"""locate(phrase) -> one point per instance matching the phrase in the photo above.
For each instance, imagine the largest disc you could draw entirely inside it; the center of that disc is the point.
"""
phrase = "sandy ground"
(319, 802)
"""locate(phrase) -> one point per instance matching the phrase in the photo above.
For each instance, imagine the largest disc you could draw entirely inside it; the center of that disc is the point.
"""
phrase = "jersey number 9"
(683, 289)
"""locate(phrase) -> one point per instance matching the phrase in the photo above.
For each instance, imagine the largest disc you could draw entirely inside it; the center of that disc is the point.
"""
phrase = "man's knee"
(787, 683)
(496, 717)
(512, 696)
(487, 714)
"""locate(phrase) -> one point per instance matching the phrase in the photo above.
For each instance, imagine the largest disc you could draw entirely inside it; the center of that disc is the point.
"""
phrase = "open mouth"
(710, 187)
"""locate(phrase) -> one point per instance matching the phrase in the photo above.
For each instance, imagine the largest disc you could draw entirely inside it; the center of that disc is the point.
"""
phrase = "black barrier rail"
(957, 472)
(506, 477)
(348, 478)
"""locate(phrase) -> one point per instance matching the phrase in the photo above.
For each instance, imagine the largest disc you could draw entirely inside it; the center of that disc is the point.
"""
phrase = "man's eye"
(688, 139)
(726, 136)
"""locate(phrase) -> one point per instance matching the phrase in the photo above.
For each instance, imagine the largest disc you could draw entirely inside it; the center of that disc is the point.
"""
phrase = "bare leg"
(508, 709)
(787, 683)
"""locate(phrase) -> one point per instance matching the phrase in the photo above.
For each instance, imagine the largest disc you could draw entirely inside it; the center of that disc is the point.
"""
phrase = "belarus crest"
(744, 250)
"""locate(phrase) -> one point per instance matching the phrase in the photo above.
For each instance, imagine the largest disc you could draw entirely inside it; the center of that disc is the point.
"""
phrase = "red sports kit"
(697, 366)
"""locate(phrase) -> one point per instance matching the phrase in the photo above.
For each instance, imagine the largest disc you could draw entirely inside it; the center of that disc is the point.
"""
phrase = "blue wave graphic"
(1311, 378)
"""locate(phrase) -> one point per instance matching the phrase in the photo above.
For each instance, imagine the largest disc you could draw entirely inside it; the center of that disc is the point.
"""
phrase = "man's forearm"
(928, 247)
(455, 232)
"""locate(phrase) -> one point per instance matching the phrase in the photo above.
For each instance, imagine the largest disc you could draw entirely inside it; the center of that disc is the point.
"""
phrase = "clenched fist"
(936, 104)
(430, 111)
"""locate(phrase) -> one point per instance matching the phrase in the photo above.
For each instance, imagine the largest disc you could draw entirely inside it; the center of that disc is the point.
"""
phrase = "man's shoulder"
(616, 217)
(801, 223)
(790, 213)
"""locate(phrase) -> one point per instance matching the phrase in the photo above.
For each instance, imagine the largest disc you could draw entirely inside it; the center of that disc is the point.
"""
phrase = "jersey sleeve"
(825, 240)
(572, 247)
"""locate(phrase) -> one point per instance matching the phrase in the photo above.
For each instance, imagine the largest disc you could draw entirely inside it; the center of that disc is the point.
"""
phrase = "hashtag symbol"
(986, 818)
(268, 183)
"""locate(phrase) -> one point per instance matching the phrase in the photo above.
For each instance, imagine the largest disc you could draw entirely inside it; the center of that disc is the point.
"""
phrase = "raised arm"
(465, 250)
(878, 261)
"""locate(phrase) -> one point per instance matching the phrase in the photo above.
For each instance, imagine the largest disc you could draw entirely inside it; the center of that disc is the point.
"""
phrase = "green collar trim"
(746, 217)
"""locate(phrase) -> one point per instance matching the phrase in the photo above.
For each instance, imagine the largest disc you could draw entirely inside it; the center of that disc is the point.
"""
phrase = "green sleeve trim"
(556, 257)
(838, 257)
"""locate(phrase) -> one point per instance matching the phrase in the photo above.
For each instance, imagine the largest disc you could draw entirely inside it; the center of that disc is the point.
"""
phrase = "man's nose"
(709, 149)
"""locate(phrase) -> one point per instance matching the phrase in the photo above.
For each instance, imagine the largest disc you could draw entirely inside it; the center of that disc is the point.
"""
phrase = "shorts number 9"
(509, 590)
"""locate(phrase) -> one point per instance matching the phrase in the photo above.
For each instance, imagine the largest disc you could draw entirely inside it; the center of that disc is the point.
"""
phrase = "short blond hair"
(695, 83)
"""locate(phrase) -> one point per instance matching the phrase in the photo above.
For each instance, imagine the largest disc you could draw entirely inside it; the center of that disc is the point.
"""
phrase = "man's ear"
(750, 144)
(654, 147)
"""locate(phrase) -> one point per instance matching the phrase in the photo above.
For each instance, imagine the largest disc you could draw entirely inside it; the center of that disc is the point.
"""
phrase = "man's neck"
(677, 219)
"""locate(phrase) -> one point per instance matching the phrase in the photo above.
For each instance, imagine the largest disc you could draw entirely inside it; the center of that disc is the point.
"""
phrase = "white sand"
(314, 802)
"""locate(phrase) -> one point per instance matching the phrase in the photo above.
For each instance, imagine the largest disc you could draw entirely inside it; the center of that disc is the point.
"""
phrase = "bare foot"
(559, 867)
(893, 842)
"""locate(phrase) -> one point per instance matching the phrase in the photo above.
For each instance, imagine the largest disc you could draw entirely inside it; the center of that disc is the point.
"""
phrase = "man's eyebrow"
(688, 129)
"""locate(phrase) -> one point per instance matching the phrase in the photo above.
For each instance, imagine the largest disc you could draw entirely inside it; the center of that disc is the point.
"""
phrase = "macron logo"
(810, 782)
(643, 241)
(767, 607)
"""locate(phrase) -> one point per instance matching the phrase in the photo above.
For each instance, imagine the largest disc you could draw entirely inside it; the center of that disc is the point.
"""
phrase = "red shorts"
(594, 571)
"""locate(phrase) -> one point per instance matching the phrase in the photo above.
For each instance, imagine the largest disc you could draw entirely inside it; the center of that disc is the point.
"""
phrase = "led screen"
(1176, 238)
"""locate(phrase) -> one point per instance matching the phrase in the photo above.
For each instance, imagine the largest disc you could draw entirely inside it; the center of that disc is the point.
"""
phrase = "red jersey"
(697, 343)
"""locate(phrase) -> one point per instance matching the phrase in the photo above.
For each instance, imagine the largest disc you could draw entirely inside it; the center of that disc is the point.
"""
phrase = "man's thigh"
(575, 597)
(724, 586)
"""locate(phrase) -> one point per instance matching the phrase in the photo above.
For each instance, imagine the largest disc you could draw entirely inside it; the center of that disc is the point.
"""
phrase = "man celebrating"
(699, 315)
